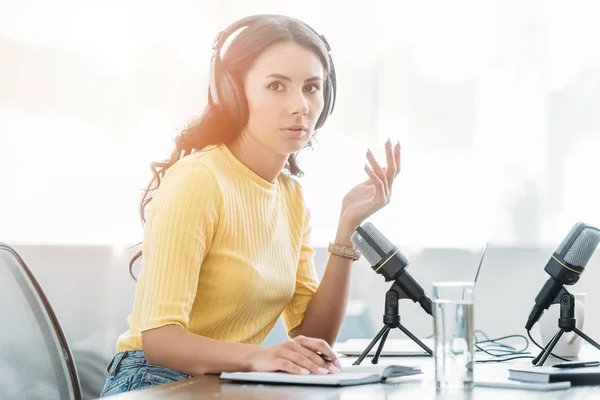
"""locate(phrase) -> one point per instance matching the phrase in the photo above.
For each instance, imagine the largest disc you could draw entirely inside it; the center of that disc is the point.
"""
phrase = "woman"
(226, 242)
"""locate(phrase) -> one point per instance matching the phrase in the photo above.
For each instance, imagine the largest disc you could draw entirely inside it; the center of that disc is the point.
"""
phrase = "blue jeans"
(129, 371)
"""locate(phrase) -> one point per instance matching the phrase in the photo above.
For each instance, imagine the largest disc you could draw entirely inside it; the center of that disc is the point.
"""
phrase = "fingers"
(391, 163)
(379, 172)
(315, 359)
(298, 357)
(391, 171)
(379, 186)
(318, 345)
(283, 364)
(397, 157)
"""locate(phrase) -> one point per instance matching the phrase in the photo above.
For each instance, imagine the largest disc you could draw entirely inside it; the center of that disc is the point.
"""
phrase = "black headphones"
(225, 92)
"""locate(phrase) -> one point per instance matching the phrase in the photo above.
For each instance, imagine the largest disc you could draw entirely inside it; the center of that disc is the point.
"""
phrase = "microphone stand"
(566, 323)
(391, 319)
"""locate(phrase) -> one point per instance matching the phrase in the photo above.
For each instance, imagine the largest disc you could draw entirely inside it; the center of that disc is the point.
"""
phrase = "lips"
(294, 132)
(296, 127)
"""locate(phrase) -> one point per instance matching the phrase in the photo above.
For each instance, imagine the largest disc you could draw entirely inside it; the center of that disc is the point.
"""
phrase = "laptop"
(395, 347)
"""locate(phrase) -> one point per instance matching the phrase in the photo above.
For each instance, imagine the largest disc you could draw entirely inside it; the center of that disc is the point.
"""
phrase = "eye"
(275, 86)
(312, 88)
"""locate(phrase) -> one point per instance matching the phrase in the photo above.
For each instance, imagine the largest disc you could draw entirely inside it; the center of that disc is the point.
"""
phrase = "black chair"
(35, 359)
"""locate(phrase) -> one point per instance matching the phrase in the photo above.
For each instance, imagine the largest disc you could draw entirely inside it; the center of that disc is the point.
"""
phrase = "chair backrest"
(35, 359)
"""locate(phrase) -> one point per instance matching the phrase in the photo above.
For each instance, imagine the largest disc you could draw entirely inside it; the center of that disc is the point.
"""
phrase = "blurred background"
(496, 105)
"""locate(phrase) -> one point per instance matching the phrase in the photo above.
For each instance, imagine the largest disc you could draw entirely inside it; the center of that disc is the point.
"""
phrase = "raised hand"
(368, 197)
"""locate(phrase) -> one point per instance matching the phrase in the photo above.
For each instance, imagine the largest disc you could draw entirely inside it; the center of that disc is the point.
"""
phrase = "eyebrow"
(287, 78)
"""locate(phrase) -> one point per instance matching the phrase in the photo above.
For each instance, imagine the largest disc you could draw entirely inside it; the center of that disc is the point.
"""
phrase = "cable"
(541, 348)
(504, 359)
(507, 352)
(504, 352)
(504, 348)
(487, 339)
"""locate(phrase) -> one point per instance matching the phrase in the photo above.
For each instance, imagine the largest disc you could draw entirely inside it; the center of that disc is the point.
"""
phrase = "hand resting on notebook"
(296, 356)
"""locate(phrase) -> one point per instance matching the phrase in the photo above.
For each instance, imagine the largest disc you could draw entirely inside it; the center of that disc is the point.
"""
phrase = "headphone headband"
(222, 36)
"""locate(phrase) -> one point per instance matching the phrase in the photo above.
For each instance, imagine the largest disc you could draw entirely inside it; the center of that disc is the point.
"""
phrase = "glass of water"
(454, 336)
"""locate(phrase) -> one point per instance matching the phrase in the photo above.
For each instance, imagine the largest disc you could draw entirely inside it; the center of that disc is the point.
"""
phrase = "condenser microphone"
(565, 267)
(387, 260)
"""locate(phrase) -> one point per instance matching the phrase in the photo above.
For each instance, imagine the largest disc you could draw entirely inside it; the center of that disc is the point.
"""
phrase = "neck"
(258, 158)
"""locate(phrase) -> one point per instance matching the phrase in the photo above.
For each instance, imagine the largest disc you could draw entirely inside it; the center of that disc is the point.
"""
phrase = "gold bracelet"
(343, 251)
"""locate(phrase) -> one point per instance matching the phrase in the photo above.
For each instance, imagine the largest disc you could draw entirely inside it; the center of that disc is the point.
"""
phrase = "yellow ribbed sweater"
(225, 253)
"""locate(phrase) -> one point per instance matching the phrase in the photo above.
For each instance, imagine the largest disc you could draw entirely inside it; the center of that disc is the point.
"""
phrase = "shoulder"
(198, 166)
(291, 185)
(191, 177)
(188, 173)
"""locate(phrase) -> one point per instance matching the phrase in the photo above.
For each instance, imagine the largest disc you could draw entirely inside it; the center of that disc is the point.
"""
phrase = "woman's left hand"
(365, 199)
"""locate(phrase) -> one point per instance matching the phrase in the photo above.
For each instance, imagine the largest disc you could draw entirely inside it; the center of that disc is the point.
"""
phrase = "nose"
(299, 105)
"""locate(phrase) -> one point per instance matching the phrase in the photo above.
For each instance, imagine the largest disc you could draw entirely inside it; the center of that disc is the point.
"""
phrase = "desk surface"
(420, 387)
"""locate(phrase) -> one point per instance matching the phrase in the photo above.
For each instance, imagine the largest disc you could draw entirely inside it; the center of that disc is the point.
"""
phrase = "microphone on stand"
(387, 260)
(565, 266)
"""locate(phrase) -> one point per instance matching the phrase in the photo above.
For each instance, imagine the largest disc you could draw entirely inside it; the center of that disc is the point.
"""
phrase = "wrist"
(344, 232)
(249, 356)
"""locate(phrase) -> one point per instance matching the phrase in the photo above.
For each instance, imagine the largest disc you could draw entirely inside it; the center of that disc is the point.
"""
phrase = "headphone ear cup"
(329, 92)
(233, 99)
(326, 106)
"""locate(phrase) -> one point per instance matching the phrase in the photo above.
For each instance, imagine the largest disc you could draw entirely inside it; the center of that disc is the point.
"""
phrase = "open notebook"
(350, 375)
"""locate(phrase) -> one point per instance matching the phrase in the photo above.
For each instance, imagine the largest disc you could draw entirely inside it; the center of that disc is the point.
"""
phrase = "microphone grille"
(583, 247)
(377, 249)
(562, 245)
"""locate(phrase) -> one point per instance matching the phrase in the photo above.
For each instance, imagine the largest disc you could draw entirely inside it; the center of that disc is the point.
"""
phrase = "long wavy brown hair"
(216, 125)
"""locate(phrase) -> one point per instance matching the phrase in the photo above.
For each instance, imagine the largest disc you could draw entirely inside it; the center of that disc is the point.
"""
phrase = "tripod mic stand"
(391, 319)
(566, 323)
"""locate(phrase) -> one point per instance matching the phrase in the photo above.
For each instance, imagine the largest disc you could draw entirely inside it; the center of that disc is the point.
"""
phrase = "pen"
(324, 357)
(577, 364)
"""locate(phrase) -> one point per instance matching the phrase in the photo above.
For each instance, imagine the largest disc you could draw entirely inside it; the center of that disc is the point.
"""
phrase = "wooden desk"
(420, 387)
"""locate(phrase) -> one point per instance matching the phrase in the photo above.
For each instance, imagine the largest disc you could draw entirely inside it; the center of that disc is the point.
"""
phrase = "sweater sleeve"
(306, 280)
(182, 220)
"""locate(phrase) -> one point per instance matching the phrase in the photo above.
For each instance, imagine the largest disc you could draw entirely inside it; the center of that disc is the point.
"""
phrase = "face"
(284, 91)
